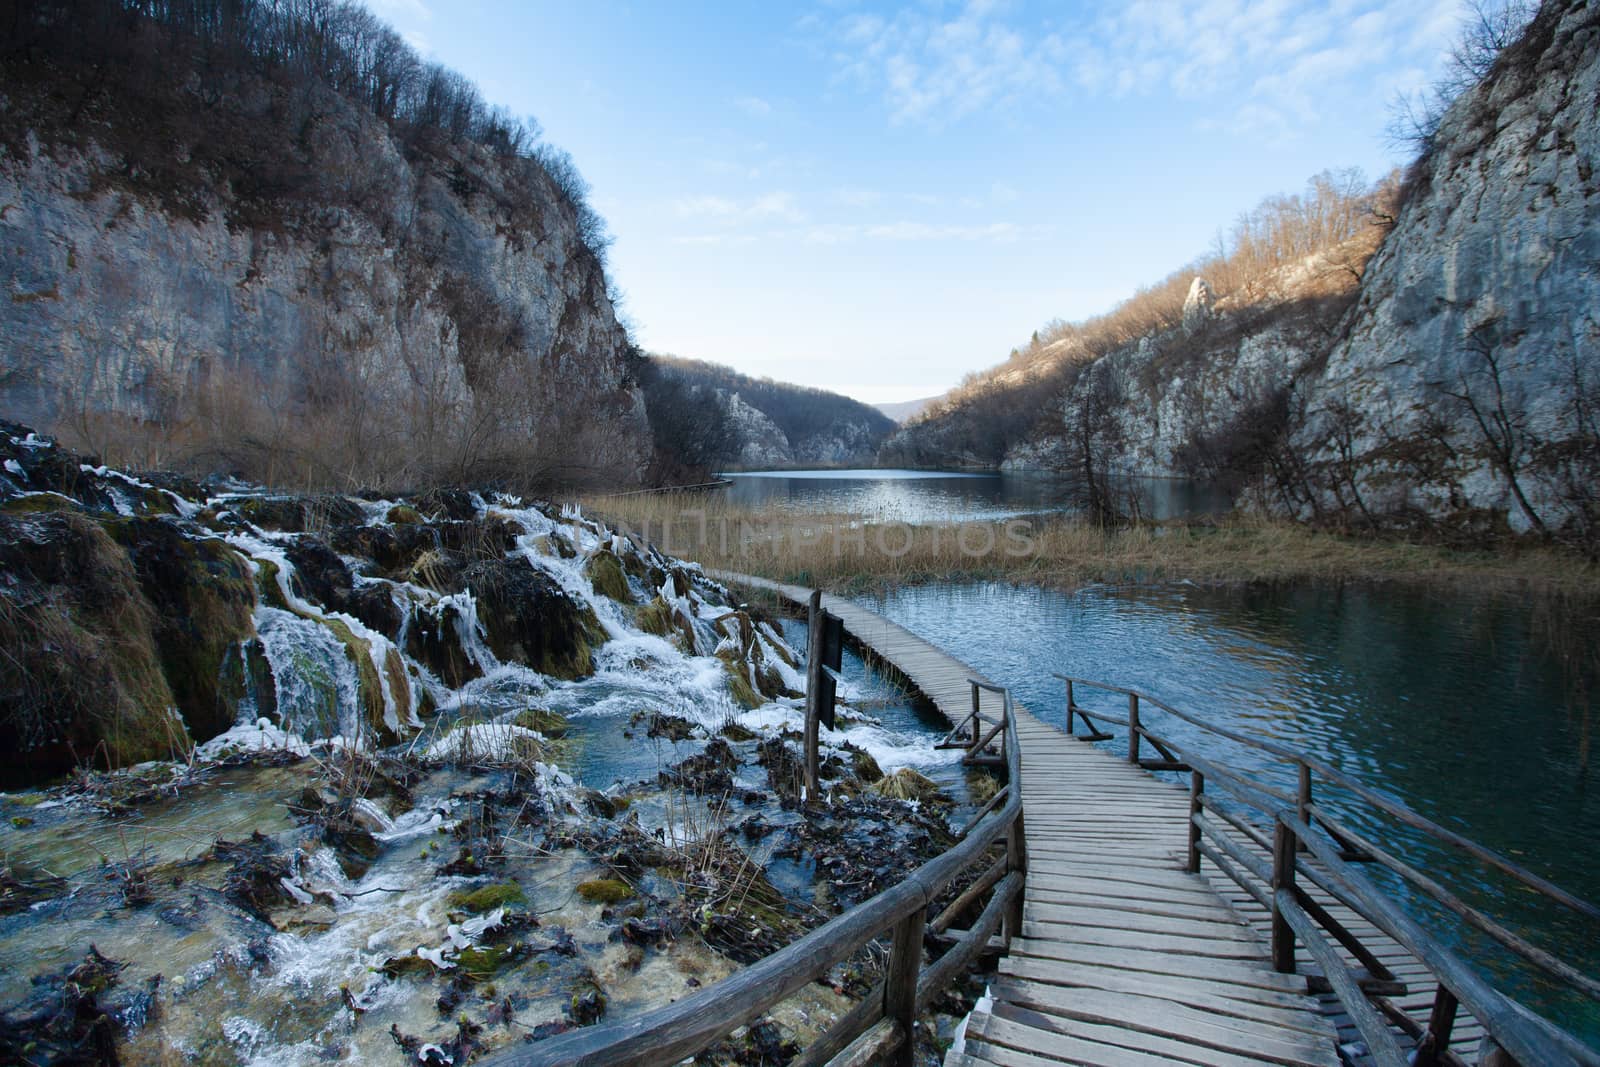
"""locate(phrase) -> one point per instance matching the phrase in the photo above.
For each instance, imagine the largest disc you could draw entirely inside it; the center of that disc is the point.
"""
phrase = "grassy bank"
(840, 553)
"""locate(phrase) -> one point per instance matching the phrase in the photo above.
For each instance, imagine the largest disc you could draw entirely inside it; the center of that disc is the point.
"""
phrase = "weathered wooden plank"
(1225, 998)
(1133, 1040)
(1047, 1047)
(1190, 908)
(1158, 962)
(1173, 1020)
(1219, 925)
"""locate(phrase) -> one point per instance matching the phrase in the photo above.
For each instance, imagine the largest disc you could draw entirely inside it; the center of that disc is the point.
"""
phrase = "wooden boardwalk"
(1124, 958)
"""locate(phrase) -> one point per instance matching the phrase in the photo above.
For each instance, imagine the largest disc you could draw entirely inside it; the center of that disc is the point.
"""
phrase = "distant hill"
(905, 410)
(775, 424)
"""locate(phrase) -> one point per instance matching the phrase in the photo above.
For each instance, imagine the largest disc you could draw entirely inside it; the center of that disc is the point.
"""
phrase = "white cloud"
(857, 197)
(715, 240)
(753, 106)
(777, 206)
(843, 233)
(1258, 62)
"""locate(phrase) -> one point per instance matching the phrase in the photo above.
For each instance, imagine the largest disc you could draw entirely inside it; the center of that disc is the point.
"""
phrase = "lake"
(937, 496)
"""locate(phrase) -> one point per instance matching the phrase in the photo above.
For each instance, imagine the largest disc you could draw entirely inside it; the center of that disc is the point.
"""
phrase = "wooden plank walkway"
(1124, 959)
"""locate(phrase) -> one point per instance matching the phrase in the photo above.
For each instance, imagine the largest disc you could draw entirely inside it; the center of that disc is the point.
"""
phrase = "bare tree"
(1502, 427)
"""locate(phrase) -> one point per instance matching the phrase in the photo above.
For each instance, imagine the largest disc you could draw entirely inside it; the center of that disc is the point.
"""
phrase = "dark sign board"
(832, 640)
(826, 690)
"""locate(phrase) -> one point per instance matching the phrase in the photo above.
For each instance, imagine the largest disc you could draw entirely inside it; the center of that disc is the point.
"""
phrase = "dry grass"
(840, 552)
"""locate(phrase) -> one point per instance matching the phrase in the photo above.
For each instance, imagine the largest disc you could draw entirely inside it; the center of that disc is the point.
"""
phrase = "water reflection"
(1456, 705)
(938, 496)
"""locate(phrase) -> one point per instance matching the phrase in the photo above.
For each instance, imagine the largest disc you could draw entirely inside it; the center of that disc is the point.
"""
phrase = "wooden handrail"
(1301, 824)
(1385, 804)
(674, 1031)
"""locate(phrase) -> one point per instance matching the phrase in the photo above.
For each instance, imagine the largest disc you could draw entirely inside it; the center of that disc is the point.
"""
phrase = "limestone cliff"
(1466, 375)
(1445, 378)
(271, 277)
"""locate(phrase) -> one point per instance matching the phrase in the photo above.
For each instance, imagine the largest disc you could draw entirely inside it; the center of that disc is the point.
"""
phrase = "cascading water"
(318, 690)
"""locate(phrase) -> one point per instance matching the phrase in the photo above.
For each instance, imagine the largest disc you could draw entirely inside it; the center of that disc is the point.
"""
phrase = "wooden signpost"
(824, 652)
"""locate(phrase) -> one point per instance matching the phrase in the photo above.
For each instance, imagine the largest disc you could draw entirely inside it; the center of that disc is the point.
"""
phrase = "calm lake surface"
(937, 496)
(1455, 705)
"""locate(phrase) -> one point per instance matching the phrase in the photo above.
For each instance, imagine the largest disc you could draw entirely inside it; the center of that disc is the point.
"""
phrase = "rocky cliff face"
(1466, 375)
(414, 310)
(774, 424)
(1451, 382)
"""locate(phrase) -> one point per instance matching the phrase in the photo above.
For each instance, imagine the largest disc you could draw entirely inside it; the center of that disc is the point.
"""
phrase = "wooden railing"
(1276, 845)
(883, 1023)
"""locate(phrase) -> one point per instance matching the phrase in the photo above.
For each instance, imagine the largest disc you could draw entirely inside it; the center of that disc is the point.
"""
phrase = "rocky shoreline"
(402, 780)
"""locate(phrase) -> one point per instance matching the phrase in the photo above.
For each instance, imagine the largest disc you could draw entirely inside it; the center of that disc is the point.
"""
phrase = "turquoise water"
(1458, 706)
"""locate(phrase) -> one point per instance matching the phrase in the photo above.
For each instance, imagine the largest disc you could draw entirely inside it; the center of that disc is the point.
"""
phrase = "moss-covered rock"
(487, 897)
(656, 617)
(604, 570)
(482, 962)
(321, 576)
(865, 767)
(394, 549)
(204, 596)
(605, 890)
(738, 733)
(530, 619)
(81, 681)
(551, 724)
(39, 504)
(434, 639)
(405, 515)
(447, 503)
(298, 514)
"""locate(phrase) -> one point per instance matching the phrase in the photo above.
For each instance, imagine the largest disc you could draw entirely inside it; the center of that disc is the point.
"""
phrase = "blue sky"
(879, 198)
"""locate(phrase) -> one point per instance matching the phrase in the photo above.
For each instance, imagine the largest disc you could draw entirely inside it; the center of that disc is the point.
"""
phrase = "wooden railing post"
(1133, 727)
(813, 693)
(1441, 1022)
(1016, 836)
(977, 718)
(1197, 788)
(1304, 797)
(900, 984)
(1284, 844)
(1070, 704)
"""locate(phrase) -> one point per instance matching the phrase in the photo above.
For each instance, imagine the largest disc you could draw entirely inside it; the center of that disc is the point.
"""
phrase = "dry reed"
(845, 552)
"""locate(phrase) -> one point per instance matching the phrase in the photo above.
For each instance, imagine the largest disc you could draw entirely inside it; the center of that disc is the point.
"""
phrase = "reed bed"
(846, 553)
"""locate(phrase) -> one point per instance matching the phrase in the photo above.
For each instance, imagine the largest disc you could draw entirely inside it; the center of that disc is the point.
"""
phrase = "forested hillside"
(270, 238)
(1011, 414)
(724, 418)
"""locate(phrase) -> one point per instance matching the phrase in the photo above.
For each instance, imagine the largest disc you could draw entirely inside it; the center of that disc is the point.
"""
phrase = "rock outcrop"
(140, 615)
(1464, 378)
(1197, 306)
(372, 304)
